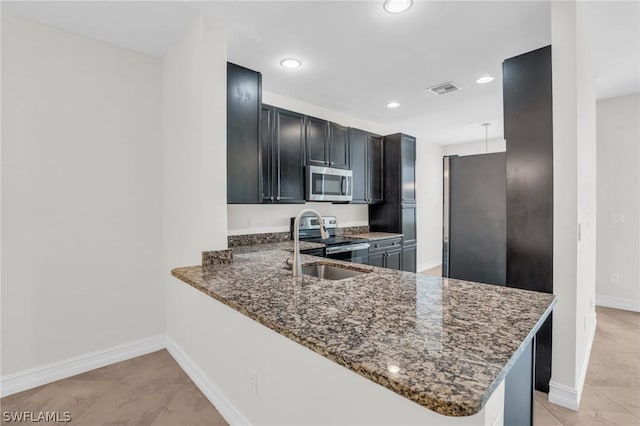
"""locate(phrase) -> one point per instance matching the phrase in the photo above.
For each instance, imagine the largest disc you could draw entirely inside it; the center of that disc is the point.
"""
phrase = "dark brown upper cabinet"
(338, 146)
(282, 149)
(408, 169)
(317, 132)
(366, 159)
(244, 98)
(327, 144)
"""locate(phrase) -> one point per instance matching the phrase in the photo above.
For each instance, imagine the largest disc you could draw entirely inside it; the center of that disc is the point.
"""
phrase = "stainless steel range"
(337, 247)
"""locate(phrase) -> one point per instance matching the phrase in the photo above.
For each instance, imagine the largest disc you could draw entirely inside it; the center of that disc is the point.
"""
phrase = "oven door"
(328, 184)
(356, 253)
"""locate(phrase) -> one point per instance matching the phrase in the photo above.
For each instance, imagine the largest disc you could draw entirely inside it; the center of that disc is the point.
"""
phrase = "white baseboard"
(37, 376)
(566, 396)
(230, 413)
(618, 303)
(429, 264)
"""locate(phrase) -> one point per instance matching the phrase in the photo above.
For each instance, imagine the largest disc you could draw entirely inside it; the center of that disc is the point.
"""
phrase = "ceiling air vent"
(444, 88)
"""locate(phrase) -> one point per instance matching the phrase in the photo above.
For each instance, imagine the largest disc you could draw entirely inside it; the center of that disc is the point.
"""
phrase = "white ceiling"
(357, 57)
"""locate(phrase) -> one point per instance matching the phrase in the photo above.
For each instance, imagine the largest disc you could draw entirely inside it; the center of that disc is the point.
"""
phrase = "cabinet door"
(408, 169)
(289, 151)
(394, 259)
(266, 153)
(375, 171)
(377, 259)
(409, 258)
(338, 146)
(317, 137)
(244, 88)
(408, 224)
(358, 149)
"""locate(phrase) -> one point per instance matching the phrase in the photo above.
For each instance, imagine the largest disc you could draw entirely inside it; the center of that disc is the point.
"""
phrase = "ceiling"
(357, 58)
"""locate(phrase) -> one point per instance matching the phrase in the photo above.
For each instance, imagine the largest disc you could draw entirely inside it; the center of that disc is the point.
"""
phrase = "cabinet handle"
(331, 163)
(278, 198)
(271, 198)
(376, 246)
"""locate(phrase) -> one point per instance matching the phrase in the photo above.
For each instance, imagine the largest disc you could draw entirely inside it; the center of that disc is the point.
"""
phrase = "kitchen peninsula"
(446, 345)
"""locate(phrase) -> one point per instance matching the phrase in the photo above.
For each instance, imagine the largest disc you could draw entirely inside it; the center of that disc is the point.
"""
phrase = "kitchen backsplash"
(276, 237)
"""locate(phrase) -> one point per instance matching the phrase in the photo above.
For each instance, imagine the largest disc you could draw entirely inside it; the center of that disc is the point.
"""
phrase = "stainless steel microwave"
(328, 184)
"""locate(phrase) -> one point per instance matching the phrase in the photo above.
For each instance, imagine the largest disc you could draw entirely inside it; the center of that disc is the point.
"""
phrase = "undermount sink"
(330, 272)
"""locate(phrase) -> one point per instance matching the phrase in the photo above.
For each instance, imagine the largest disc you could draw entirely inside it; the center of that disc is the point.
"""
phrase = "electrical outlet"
(252, 222)
(253, 380)
(592, 303)
(615, 278)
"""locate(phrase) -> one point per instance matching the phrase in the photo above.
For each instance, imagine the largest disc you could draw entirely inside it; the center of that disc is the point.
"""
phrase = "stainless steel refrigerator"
(475, 218)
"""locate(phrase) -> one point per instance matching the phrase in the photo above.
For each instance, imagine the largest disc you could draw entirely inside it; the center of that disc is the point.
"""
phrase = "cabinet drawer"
(381, 245)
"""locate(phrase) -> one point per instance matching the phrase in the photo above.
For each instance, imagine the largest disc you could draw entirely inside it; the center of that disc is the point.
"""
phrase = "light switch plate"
(615, 278)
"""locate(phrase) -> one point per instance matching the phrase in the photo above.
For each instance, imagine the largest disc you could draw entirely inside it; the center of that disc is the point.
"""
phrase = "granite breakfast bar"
(403, 348)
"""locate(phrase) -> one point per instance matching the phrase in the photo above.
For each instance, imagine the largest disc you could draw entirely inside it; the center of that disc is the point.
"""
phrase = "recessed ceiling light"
(291, 63)
(397, 6)
(393, 105)
(485, 79)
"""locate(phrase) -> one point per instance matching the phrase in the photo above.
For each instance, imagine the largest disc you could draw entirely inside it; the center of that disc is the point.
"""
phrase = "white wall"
(81, 195)
(618, 169)
(194, 88)
(194, 140)
(429, 204)
(574, 204)
(477, 147)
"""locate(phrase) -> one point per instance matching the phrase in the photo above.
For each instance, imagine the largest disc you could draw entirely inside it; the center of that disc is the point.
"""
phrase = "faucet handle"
(289, 263)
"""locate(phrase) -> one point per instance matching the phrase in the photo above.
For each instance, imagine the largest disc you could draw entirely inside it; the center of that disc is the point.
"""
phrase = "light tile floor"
(147, 390)
(153, 389)
(611, 394)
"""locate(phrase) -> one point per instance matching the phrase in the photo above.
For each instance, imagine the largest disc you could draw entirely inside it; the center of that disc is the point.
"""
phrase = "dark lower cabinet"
(518, 389)
(244, 97)
(409, 257)
(408, 224)
(377, 259)
(282, 151)
(393, 259)
(386, 253)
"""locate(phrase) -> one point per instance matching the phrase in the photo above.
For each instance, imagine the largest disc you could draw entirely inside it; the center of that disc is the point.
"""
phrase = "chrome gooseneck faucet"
(297, 264)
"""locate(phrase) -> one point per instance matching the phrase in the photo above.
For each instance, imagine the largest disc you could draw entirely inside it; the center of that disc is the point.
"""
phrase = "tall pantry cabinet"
(398, 212)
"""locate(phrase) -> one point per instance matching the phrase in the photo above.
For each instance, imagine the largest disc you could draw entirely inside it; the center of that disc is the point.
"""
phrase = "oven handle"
(344, 249)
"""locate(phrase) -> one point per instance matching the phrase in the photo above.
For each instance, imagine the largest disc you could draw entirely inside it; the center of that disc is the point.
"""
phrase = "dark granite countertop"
(281, 245)
(372, 236)
(443, 343)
